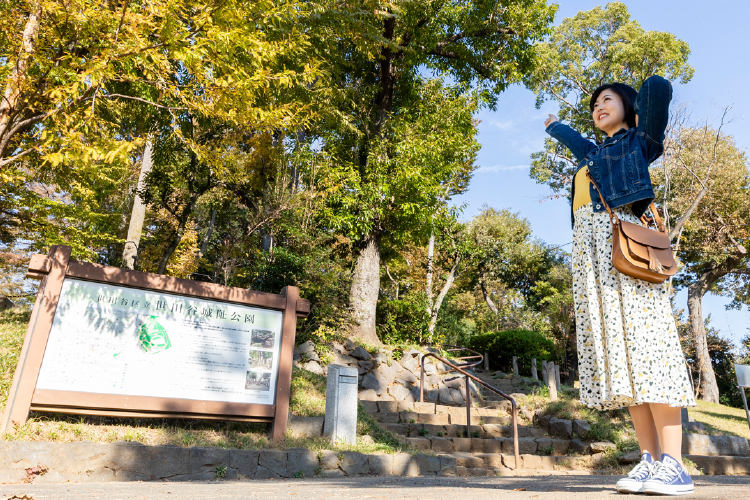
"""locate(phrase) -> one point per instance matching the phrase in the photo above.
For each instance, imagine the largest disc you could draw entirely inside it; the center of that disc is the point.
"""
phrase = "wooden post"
(544, 372)
(551, 382)
(557, 377)
(284, 379)
(515, 365)
(533, 369)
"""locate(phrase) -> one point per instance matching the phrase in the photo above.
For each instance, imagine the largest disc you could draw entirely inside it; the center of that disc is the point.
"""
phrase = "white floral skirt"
(628, 347)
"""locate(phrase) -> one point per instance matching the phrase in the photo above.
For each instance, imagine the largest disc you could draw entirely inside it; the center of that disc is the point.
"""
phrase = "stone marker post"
(551, 382)
(557, 377)
(341, 404)
(515, 365)
(486, 362)
(533, 369)
(544, 372)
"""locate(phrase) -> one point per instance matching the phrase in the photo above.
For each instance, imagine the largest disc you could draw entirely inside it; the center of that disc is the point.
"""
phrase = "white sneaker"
(670, 479)
(641, 473)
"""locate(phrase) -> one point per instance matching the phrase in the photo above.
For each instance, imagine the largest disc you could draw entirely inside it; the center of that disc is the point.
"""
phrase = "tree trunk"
(486, 294)
(443, 292)
(363, 298)
(428, 286)
(13, 88)
(184, 217)
(708, 387)
(130, 252)
(204, 245)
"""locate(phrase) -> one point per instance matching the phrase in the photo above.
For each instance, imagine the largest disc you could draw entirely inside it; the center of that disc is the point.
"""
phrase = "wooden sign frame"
(55, 267)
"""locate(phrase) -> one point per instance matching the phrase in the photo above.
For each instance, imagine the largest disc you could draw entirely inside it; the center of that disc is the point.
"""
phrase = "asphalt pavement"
(390, 488)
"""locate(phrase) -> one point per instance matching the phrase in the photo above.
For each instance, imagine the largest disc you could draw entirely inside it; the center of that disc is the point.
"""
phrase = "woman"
(628, 348)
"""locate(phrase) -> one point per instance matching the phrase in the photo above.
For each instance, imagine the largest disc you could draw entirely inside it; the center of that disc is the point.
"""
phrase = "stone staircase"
(489, 448)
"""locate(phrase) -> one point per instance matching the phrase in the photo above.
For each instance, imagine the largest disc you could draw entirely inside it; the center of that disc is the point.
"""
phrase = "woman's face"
(609, 112)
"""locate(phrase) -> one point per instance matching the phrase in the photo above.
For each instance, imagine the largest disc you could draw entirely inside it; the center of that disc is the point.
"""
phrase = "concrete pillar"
(533, 369)
(557, 377)
(515, 365)
(551, 382)
(341, 404)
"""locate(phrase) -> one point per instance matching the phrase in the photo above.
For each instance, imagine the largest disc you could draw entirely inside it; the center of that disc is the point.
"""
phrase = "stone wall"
(124, 461)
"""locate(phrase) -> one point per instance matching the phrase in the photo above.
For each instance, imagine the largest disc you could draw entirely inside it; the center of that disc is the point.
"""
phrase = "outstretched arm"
(569, 138)
(652, 111)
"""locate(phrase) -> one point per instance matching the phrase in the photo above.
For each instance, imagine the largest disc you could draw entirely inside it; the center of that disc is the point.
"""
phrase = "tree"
(376, 66)
(594, 47)
(703, 184)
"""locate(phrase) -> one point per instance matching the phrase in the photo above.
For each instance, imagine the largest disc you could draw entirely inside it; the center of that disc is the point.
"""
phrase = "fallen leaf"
(519, 489)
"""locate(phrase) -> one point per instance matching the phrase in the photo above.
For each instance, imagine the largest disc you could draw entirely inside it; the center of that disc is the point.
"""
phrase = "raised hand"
(550, 120)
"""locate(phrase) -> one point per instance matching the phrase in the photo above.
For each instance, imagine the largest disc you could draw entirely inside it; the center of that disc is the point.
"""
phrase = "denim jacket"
(619, 165)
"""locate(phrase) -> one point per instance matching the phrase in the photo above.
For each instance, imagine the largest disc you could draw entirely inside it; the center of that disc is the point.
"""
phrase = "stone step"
(459, 418)
(526, 445)
(374, 407)
(489, 431)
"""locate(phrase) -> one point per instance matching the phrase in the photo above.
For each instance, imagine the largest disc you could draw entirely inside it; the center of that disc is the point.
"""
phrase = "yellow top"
(582, 195)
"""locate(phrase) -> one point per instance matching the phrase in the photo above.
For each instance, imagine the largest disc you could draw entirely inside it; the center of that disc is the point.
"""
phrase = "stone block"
(430, 396)
(445, 396)
(364, 367)
(410, 363)
(80, 456)
(525, 445)
(441, 445)
(726, 465)
(544, 445)
(602, 446)
(306, 426)
(457, 397)
(306, 347)
(388, 406)
(367, 394)
(477, 445)
(380, 464)
(397, 428)
(560, 446)
(329, 460)
(468, 460)
(344, 360)
(301, 463)
(460, 419)
(405, 378)
(428, 465)
(245, 462)
(205, 460)
(454, 430)
(432, 380)
(168, 461)
(434, 430)
(442, 409)
(461, 471)
(408, 417)
(99, 475)
(461, 444)
(424, 407)
(529, 461)
(493, 445)
(697, 444)
(434, 419)
(274, 461)
(265, 473)
(560, 427)
(370, 406)
(492, 431)
(378, 359)
(581, 428)
(419, 443)
(399, 392)
(447, 465)
(491, 460)
(631, 457)
(549, 462)
(23, 454)
(405, 464)
(313, 367)
(354, 464)
(386, 372)
(578, 446)
(376, 383)
(543, 421)
(454, 381)
(332, 473)
(497, 420)
(359, 353)
(388, 418)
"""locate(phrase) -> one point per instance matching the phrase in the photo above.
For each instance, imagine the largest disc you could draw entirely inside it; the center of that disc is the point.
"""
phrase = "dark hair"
(627, 95)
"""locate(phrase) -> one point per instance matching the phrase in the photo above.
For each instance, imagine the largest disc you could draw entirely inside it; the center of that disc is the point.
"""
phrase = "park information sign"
(117, 342)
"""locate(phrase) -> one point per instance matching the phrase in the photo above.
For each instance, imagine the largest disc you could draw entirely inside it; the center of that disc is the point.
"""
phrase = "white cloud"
(500, 124)
(500, 168)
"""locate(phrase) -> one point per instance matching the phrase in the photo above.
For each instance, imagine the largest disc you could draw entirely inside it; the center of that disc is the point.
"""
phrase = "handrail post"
(421, 381)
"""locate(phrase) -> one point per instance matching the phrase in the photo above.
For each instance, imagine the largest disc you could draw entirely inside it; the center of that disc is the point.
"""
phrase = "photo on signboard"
(262, 338)
(258, 381)
(260, 359)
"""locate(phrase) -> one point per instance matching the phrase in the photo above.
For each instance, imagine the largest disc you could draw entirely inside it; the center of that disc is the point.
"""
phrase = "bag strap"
(614, 218)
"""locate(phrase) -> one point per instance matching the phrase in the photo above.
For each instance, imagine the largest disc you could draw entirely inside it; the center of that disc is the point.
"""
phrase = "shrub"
(502, 346)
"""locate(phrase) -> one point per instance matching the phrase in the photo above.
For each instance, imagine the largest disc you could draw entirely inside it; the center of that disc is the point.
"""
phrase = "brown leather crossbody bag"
(639, 251)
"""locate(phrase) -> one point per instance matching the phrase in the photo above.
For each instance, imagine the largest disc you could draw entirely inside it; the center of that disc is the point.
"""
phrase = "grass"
(13, 324)
(721, 420)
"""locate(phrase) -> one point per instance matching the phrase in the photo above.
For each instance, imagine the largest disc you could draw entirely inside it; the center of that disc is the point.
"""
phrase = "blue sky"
(717, 34)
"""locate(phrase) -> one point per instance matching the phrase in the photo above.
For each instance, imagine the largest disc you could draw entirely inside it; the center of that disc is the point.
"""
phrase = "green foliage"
(404, 320)
(502, 346)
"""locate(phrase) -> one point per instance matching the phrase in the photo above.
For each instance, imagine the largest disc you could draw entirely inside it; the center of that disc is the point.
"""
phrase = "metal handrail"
(459, 368)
